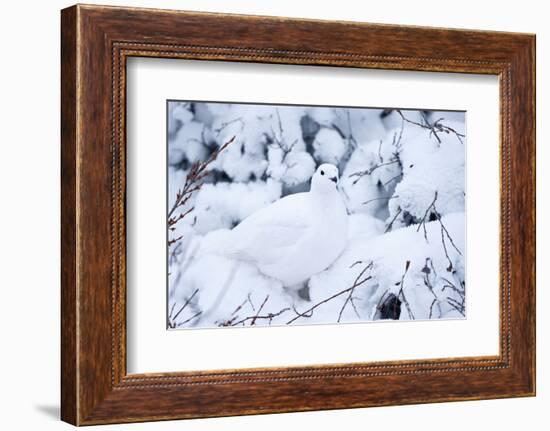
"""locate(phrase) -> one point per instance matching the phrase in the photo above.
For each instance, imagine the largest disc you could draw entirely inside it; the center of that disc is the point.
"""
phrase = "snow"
(188, 144)
(216, 203)
(329, 146)
(292, 169)
(390, 253)
(403, 187)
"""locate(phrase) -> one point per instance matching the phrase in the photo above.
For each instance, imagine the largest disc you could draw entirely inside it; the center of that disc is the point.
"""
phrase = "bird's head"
(325, 178)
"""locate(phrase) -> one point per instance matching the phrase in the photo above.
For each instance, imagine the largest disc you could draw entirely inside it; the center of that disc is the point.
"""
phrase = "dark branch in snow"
(434, 128)
(401, 293)
(171, 310)
(380, 198)
(393, 179)
(396, 142)
(349, 298)
(252, 319)
(236, 310)
(390, 225)
(280, 141)
(452, 286)
(228, 123)
(257, 316)
(351, 139)
(309, 311)
(193, 183)
(461, 293)
(194, 316)
(172, 320)
(361, 174)
(432, 307)
(268, 316)
(425, 217)
(444, 232)
(304, 314)
(259, 310)
(250, 302)
(427, 271)
(450, 267)
(456, 305)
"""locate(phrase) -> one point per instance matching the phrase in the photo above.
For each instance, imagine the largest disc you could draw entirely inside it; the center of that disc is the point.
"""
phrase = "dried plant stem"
(434, 128)
(193, 183)
(309, 311)
(349, 298)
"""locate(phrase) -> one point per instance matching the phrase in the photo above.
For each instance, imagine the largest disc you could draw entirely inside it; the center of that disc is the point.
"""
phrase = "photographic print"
(298, 215)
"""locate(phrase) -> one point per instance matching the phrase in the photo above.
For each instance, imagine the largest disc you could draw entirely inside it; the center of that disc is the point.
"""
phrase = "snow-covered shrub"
(329, 146)
(224, 205)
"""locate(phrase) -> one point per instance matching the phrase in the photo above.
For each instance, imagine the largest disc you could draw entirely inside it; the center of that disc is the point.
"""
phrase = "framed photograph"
(331, 214)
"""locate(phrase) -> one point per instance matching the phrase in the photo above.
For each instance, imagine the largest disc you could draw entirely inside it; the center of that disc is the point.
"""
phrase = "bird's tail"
(222, 243)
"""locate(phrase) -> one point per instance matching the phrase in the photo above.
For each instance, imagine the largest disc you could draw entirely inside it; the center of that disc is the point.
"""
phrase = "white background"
(153, 349)
(29, 219)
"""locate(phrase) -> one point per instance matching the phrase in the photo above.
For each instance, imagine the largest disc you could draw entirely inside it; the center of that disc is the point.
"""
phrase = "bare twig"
(434, 128)
(461, 293)
(390, 225)
(380, 198)
(183, 307)
(382, 298)
(194, 316)
(193, 182)
(393, 179)
(349, 298)
(228, 123)
(361, 174)
(426, 270)
(171, 310)
(324, 301)
(401, 292)
(452, 286)
(444, 229)
(424, 218)
(396, 142)
(456, 305)
(250, 302)
(187, 301)
(236, 310)
(380, 152)
(432, 306)
(268, 316)
(307, 314)
(450, 267)
(259, 310)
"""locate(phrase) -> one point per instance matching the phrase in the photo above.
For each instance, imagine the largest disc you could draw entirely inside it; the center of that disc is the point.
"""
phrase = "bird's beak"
(334, 180)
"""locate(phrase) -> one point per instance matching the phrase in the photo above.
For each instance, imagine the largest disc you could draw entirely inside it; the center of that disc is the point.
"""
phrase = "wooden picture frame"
(95, 43)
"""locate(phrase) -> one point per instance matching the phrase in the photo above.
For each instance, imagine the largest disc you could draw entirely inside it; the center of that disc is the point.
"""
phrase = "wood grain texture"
(68, 218)
(96, 41)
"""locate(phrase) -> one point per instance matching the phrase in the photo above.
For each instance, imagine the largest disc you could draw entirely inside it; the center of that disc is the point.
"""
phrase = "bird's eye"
(322, 172)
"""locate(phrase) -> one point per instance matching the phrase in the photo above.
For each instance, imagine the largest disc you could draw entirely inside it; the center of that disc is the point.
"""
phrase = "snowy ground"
(402, 178)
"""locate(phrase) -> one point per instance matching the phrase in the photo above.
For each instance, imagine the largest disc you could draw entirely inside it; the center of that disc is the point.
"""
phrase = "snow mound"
(224, 205)
(428, 276)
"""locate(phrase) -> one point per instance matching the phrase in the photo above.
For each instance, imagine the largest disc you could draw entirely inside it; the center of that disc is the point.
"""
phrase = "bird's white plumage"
(297, 236)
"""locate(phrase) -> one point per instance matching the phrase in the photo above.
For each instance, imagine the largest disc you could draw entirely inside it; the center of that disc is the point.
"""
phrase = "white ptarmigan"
(297, 236)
